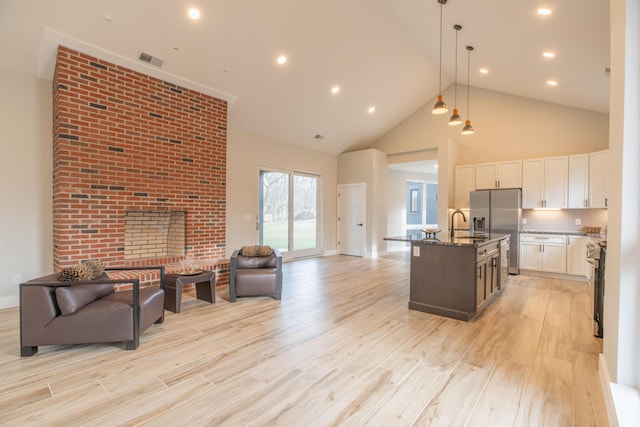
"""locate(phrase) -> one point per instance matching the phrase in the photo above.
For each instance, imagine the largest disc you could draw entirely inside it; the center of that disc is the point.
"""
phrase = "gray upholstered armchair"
(54, 312)
(255, 270)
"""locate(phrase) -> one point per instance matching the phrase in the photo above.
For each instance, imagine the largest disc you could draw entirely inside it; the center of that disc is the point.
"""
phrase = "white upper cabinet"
(464, 182)
(555, 181)
(510, 174)
(598, 179)
(532, 183)
(578, 193)
(574, 182)
(544, 182)
(499, 175)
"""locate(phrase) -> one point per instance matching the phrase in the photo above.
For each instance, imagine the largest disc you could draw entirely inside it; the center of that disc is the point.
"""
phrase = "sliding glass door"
(289, 216)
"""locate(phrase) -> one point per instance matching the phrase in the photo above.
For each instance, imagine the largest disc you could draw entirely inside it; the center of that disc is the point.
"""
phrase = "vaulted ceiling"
(381, 53)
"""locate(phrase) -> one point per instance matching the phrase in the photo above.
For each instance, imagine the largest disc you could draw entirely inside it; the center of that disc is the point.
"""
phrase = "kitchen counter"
(566, 233)
(459, 239)
(455, 277)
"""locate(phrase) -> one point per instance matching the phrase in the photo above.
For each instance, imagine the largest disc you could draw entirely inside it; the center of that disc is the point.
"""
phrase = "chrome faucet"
(452, 217)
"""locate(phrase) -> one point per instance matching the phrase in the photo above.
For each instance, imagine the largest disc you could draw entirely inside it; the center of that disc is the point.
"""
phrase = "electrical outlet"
(524, 221)
(578, 221)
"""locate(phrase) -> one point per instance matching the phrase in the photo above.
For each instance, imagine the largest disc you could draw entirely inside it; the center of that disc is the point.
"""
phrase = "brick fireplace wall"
(125, 141)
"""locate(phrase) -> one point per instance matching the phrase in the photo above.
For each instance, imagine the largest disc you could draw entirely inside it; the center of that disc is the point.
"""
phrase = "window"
(289, 217)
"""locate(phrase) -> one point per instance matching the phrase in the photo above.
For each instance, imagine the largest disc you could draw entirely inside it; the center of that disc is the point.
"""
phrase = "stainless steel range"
(596, 257)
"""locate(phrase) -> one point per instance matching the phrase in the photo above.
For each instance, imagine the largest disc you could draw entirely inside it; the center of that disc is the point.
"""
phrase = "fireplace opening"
(154, 234)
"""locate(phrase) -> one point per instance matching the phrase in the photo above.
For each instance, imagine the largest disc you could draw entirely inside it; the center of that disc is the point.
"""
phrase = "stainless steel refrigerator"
(499, 211)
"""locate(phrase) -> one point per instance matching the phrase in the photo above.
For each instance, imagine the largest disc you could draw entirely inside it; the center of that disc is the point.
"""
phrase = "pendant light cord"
(440, 78)
(455, 86)
(469, 49)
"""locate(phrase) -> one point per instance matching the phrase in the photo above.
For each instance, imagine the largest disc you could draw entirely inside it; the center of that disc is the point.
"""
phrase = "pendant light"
(440, 107)
(467, 129)
(455, 118)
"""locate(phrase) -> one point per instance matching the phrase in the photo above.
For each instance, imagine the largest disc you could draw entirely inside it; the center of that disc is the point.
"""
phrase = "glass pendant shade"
(467, 129)
(439, 107)
(455, 118)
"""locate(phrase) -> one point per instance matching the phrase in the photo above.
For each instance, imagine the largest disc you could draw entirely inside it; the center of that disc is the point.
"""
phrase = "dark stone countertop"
(566, 233)
(460, 239)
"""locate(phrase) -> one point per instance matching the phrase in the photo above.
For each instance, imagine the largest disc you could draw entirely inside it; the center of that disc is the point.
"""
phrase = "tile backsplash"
(564, 220)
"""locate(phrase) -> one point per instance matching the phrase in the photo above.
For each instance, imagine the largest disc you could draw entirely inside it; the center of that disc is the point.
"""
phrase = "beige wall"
(26, 217)
(507, 128)
(246, 153)
(397, 202)
(369, 167)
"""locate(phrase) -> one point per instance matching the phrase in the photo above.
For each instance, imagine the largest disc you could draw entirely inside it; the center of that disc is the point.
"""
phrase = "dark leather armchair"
(255, 275)
(53, 312)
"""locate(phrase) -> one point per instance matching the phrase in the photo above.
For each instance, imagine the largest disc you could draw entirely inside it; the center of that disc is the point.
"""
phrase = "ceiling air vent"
(150, 59)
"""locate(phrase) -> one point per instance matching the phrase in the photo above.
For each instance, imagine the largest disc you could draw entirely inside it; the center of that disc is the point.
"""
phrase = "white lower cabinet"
(576, 255)
(543, 253)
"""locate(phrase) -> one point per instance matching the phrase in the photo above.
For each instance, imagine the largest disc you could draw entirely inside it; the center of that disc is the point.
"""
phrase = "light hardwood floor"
(341, 348)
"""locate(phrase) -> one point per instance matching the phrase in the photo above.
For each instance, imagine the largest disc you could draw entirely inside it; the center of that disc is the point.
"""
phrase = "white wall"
(397, 202)
(369, 167)
(246, 153)
(622, 298)
(26, 211)
(507, 128)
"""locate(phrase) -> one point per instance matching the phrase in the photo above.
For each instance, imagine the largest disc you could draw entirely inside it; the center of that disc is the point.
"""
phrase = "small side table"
(173, 283)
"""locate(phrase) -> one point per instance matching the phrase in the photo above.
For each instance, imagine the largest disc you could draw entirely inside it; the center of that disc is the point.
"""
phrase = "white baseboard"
(537, 273)
(373, 255)
(330, 253)
(8, 302)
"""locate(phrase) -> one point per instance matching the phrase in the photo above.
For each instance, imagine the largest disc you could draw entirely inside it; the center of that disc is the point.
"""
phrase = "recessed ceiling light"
(552, 83)
(484, 71)
(544, 11)
(548, 54)
(194, 13)
(282, 59)
(335, 90)
(372, 109)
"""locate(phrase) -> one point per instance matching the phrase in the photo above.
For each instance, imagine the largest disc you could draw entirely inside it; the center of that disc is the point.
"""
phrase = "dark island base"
(451, 313)
(441, 311)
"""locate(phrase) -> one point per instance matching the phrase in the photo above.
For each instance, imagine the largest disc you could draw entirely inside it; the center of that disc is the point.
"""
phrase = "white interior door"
(351, 219)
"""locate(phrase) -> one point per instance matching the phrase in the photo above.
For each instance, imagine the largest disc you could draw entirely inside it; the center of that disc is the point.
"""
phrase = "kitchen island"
(457, 276)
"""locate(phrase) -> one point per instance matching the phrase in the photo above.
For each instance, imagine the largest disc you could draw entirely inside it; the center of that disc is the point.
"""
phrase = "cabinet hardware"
(606, 202)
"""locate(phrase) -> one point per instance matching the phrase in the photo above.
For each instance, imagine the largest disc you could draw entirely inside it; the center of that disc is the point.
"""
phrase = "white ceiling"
(380, 52)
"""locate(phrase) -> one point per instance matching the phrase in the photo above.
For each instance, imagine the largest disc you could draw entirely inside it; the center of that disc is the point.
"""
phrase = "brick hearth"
(125, 141)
